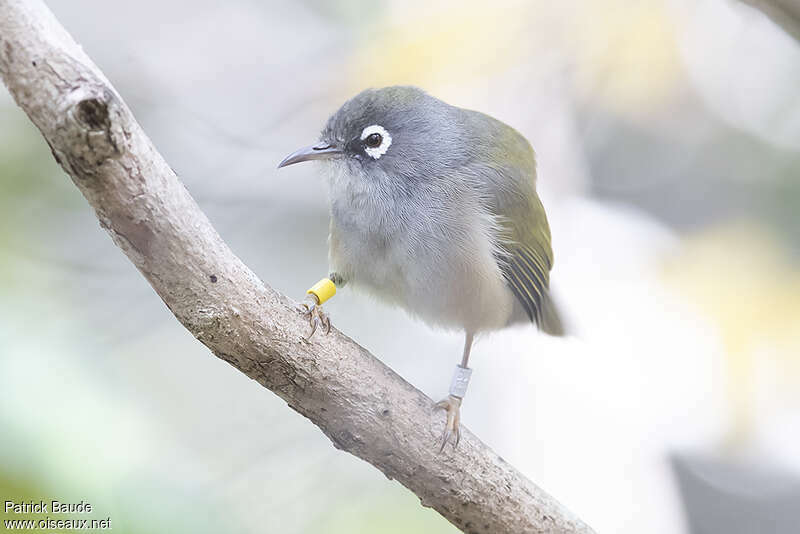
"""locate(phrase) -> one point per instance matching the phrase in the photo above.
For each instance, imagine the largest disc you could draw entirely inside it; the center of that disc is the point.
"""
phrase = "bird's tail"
(551, 318)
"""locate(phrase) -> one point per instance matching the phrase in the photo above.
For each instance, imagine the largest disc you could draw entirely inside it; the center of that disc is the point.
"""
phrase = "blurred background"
(668, 141)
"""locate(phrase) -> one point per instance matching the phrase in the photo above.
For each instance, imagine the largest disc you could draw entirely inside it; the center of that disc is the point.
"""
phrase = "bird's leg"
(338, 280)
(311, 307)
(452, 404)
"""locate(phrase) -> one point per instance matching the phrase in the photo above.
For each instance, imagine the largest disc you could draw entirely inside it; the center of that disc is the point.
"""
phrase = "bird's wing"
(525, 257)
(527, 278)
(524, 253)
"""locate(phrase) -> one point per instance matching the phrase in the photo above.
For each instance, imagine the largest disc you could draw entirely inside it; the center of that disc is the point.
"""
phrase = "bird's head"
(399, 131)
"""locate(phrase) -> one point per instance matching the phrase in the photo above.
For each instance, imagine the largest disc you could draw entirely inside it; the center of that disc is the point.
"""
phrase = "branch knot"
(92, 131)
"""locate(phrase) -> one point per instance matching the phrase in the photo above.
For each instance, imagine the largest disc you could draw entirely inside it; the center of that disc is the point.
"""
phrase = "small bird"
(434, 209)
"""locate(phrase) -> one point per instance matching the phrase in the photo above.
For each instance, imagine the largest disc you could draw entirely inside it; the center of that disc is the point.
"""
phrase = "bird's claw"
(452, 405)
(312, 311)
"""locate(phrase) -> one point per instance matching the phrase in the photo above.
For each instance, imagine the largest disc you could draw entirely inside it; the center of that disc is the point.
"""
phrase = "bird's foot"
(312, 310)
(452, 405)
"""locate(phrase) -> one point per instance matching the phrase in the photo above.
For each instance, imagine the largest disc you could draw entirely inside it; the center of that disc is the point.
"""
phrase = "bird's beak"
(319, 151)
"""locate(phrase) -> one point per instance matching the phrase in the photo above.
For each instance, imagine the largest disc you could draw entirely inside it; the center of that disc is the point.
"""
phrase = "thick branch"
(358, 402)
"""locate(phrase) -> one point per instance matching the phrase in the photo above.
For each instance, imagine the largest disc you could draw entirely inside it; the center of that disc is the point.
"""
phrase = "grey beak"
(318, 151)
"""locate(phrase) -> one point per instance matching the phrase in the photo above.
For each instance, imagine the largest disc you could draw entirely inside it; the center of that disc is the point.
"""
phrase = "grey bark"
(360, 404)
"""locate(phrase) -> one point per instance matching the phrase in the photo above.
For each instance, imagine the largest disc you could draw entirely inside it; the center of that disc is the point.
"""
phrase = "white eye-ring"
(377, 140)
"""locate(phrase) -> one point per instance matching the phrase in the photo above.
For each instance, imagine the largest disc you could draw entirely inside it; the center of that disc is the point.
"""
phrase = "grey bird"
(434, 209)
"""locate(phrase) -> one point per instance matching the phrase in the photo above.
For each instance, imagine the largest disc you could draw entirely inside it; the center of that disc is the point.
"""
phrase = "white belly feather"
(437, 265)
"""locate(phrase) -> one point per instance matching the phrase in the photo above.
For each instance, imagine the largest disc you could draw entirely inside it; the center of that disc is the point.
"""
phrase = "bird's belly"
(435, 281)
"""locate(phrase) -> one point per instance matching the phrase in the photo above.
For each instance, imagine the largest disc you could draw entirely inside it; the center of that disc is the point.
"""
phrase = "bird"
(434, 209)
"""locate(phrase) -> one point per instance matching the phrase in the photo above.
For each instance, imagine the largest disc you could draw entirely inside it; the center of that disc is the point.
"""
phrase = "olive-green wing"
(528, 277)
(506, 169)
(526, 260)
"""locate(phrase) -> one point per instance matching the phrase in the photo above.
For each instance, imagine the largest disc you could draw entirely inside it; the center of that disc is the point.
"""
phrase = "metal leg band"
(458, 387)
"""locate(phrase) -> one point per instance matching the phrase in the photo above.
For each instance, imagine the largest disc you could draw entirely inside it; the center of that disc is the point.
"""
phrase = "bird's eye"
(376, 140)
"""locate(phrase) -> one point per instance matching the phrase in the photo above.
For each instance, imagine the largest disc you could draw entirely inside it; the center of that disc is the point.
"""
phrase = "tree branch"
(785, 13)
(359, 403)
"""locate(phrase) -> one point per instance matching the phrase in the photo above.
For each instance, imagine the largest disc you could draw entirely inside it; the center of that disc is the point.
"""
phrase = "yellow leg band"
(323, 290)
